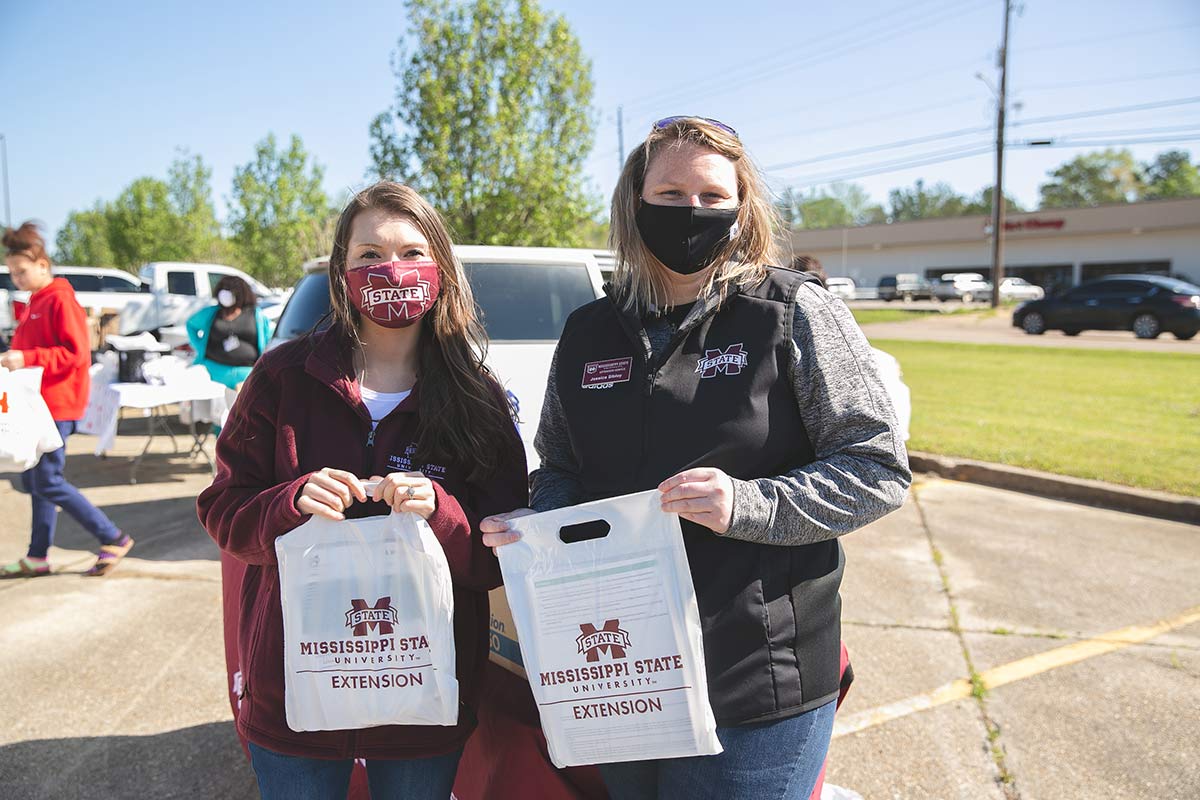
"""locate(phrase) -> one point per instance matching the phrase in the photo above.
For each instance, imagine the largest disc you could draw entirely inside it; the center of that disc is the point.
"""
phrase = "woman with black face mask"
(747, 395)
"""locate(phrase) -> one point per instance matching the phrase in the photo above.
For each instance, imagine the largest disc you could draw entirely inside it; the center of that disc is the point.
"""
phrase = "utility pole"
(4, 163)
(620, 138)
(998, 189)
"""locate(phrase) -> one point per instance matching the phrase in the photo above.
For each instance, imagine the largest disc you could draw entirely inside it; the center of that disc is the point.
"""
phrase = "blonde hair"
(639, 277)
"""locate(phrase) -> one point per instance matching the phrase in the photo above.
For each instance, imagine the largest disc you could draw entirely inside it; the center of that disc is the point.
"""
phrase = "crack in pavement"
(1004, 779)
(1014, 633)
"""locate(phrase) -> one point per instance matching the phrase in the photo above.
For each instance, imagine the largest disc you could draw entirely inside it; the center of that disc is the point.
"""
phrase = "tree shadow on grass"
(203, 761)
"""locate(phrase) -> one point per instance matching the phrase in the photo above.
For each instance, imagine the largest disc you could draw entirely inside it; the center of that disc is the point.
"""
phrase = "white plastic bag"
(27, 430)
(610, 632)
(368, 628)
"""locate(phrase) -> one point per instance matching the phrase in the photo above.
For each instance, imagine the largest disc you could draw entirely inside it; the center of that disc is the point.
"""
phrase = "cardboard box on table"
(102, 324)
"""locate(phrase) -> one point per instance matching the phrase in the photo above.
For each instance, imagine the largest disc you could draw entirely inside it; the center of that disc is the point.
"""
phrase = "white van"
(524, 295)
(96, 289)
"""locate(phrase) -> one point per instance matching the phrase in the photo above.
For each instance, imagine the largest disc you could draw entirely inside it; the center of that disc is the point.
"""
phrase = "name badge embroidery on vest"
(730, 361)
(603, 374)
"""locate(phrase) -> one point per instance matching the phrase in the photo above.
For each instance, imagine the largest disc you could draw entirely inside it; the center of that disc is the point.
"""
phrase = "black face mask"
(684, 238)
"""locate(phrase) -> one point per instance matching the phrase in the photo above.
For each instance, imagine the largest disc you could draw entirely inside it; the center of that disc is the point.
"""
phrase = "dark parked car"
(906, 287)
(1144, 304)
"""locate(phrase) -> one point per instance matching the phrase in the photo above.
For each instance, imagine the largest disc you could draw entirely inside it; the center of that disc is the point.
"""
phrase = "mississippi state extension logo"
(362, 617)
(608, 639)
(731, 360)
(403, 301)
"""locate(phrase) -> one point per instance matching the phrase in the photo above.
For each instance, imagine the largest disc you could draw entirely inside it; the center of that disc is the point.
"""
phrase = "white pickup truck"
(181, 289)
(162, 300)
(525, 295)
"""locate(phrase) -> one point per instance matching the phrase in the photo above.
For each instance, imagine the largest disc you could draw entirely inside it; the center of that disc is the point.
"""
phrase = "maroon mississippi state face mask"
(394, 294)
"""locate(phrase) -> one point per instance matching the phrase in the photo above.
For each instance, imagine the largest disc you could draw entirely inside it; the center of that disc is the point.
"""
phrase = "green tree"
(823, 211)
(1170, 174)
(144, 225)
(189, 183)
(1107, 176)
(982, 203)
(492, 121)
(919, 202)
(836, 205)
(279, 215)
(83, 239)
(151, 220)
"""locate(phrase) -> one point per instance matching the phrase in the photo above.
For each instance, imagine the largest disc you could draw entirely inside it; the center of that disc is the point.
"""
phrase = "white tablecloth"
(107, 400)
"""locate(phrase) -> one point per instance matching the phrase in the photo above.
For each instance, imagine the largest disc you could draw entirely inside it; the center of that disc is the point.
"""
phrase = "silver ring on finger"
(411, 492)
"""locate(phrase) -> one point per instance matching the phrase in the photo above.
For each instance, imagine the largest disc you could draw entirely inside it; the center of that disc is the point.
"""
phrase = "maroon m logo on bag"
(362, 617)
(609, 639)
(730, 361)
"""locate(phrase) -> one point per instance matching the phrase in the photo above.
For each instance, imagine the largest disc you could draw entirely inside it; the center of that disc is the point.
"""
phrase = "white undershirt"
(380, 404)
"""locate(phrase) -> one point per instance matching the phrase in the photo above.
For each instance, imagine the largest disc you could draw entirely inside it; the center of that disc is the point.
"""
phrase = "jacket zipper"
(369, 461)
(655, 363)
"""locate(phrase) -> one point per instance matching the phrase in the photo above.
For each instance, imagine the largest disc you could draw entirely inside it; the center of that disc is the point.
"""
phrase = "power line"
(1096, 39)
(809, 60)
(1189, 127)
(971, 98)
(968, 151)
(773, 61)
(1101, 112)
(933, 137)
(879, 147)
(1193, 137)
(896, 165)
(1045, 87)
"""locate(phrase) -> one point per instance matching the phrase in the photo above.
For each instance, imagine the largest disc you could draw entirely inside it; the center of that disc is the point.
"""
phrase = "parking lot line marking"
(1014, 671)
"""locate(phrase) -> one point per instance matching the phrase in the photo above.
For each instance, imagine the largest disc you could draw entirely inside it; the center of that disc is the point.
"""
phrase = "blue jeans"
(767, 761)
(283, 777)
(50, 491)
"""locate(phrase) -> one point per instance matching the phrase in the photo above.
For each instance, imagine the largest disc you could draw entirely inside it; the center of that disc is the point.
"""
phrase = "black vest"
(719, 395)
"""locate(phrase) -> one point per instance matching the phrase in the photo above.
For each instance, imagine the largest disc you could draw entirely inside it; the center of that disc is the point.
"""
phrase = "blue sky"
(101, 93)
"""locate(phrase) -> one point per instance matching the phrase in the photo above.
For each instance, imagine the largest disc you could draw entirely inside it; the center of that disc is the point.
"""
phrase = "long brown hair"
(465, 415)
(639, 276)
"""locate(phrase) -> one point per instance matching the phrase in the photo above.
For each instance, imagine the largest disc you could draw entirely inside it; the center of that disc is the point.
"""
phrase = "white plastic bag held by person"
(610, 632)
(368, 625)
(27, 430)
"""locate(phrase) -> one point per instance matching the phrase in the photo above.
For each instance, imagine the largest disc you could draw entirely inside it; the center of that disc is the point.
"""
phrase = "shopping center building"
(1051, 248)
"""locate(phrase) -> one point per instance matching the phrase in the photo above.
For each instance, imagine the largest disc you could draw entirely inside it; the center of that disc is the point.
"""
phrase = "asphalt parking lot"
(1005, 646)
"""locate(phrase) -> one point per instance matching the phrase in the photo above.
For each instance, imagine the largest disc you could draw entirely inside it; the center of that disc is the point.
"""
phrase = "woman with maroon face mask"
(747, 396)
(394, 391)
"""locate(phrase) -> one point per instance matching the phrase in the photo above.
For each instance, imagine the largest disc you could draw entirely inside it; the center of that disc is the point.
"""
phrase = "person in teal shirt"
(230, 336)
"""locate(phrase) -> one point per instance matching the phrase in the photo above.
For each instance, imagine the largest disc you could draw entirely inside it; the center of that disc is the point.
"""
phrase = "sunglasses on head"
(668, 121)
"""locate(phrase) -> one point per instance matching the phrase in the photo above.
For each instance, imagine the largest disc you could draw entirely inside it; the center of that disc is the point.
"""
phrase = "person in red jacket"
(393, 390)
(52, 334)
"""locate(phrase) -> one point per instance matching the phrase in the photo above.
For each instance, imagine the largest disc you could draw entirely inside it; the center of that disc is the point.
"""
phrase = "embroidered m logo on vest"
(362, 617)
(731, 360)
(607, 639)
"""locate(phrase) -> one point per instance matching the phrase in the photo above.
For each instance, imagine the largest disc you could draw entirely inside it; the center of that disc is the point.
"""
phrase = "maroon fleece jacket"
(299, 411)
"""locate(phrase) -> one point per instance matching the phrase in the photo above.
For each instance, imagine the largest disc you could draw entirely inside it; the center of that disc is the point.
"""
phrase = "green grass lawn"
(867, 316)
(1128, 417)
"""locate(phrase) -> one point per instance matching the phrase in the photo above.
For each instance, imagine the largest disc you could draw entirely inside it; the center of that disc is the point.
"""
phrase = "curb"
(1162, 505)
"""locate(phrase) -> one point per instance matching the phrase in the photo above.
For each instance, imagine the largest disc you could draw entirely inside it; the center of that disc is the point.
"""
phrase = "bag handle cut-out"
(584, 531)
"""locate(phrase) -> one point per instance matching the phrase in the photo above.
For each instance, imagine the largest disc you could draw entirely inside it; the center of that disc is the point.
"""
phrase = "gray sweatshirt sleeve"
(556, 483)
(861, 469)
